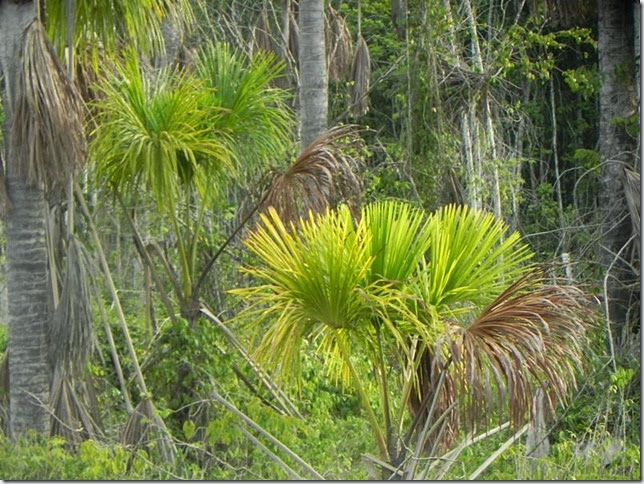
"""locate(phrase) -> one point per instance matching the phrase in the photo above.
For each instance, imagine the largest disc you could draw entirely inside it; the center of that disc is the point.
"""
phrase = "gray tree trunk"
(27, 283)
(313, 71)
(617, 100)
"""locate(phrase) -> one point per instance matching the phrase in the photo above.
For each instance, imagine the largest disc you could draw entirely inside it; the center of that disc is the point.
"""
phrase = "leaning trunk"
(313, 72)
(617, 102)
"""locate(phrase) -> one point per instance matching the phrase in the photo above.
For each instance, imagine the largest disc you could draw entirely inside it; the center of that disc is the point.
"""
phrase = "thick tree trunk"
(313, 72)
(29, 371)
(617, 101)
(27, 283)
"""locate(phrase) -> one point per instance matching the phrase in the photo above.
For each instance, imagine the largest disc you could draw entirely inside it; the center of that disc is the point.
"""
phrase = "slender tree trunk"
(27, 272)
(617, 101)
(313, 72)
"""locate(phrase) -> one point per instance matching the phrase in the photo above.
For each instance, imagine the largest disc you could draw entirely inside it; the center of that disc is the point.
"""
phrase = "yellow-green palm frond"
(471, 258)
(154, 133)
(308, 279)
(254, 115)
(399, 239)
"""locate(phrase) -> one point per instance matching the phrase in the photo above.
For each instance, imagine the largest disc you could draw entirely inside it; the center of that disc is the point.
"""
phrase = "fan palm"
(447, 294)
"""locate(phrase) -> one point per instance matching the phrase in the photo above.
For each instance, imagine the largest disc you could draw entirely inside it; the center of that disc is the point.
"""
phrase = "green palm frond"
(155, 133)
(399, 239)
(106, 24)
(311, 278)
(254, 115)
(471, 258)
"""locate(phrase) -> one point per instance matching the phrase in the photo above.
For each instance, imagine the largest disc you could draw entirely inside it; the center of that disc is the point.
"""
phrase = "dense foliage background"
(185, 337)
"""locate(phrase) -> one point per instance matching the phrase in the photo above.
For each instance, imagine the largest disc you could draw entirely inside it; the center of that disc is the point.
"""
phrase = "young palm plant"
(451, 299)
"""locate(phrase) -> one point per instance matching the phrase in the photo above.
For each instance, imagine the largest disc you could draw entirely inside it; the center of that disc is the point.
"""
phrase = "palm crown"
(446, 294)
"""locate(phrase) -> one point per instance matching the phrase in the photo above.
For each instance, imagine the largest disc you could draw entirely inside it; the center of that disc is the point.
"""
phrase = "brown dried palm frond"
(70, 418)
(339, 45)
(361, 73)
(145, 429)
(47, 136)
(71, 327)
(323, 175)
(262, 34)
(632, 190)
(531, 336)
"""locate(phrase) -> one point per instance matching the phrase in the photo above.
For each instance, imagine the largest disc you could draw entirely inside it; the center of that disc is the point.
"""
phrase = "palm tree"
(179, 136)
(450, 298)
(44, 142)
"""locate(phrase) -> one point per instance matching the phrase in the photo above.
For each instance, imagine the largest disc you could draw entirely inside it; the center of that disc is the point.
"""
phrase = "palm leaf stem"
(250, 422)
(194, 242)
(230, 238)
(271, 455)
(272, 388)
(373, 420)
(408, 383)
(450, 457)
(115, 356)
(424, 404)
(427, 430)
(113, 291)
(381, 371)
(498, 452)
(145, 256)
(184, 261)
(174, 279)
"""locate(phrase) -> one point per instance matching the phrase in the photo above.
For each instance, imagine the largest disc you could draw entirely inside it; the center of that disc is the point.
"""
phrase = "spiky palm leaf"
(155, 133)
(47, 137)
(399, 239)
(309, 283)
(471, 259)
(255, 117)
(324, 174)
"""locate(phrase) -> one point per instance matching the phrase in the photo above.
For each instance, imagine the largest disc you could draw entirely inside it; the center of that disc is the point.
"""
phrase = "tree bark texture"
(617, 101)
(27, 273)
(313, 71)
